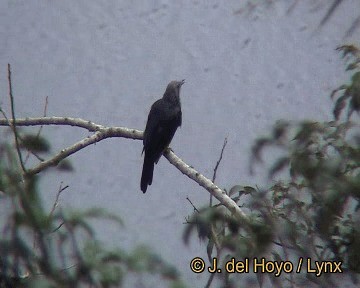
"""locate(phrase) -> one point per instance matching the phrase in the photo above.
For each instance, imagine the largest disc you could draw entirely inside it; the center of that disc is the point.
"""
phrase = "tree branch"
(103, 132)
(14, 124)
(217, 166)
(207, 184)
(68, 121)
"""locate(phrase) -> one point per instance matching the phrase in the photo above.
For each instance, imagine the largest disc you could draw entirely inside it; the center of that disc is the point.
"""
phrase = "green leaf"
(242, 190)
(35, 143)
(65, 165)
(279, 165)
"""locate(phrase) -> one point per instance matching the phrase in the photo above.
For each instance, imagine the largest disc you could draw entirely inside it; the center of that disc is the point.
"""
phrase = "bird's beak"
(182, 82)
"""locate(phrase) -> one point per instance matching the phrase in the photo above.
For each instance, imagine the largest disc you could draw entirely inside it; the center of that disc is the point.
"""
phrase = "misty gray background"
(108, 61)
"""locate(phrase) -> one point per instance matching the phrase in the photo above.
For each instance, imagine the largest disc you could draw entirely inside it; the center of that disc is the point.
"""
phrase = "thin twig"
(214, 237)
(14, 122)
(45, 111)
(220, 158)
(7, 120)
(217, 165)
(62, 269)
(61, 189)
(44, 115)
(38, 134)
(58, 227)
(195, 209)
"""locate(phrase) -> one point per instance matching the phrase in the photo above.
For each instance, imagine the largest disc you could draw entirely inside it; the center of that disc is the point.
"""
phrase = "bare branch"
(38, 134)
(68, 121)
(101, 133)
(56, 203)
(44, 115)
(97, 137)
(220, 158)
(207, 184)
(14, 124)
(217, 166)
(195, 209)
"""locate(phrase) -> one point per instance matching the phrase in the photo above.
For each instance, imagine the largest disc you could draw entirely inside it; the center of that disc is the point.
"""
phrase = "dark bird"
(163, 120)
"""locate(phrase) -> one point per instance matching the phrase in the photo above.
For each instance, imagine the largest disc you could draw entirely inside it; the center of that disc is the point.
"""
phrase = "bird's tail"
(147, 173)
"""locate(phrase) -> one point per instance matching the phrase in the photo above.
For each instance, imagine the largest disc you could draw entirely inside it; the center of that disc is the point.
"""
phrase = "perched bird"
(163, 120)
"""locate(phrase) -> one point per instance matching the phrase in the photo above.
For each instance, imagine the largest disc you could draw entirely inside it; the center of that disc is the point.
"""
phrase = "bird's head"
(175, 85)
(173, 89)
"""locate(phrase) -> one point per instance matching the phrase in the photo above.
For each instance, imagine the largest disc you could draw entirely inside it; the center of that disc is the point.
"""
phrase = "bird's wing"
(160, 129)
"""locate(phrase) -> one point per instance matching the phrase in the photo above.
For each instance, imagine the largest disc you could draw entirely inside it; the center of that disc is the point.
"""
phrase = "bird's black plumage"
(163, 120)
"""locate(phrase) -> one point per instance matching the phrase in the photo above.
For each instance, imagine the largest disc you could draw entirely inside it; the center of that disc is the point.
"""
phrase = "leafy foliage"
(351, 92)
(311, 211)
(58, 248)
(35, 143)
